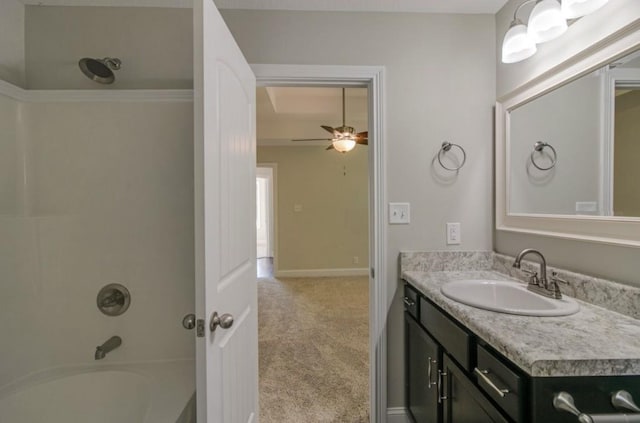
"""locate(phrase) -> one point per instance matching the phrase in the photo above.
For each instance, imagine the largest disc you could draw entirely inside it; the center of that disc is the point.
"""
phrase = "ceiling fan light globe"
(344, 145)
(573, 9)
(546, 21)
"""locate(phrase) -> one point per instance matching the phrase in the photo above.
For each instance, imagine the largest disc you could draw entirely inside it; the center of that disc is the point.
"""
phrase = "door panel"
(224, 162)
(423, 358)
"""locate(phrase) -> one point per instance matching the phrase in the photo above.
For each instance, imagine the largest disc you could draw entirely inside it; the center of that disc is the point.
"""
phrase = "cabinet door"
(423, 360)
(464, 403)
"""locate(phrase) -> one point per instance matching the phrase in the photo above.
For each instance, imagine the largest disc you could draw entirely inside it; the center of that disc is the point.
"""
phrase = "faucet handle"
(555, 278)
(533, 276)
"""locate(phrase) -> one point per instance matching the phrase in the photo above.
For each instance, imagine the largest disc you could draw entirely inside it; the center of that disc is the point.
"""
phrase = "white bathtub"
(158, 392)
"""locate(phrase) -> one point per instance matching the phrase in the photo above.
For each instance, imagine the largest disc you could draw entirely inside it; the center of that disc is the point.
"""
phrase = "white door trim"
(373, 78)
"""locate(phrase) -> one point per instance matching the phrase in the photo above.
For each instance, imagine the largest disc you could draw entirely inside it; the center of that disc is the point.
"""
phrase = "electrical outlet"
(297, 208)
(453, 233)
(356, 260)
(399, 213)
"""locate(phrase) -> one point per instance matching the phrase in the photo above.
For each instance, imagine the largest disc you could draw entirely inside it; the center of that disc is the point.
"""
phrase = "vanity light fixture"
(517, 44)
(547, 21)
(572, 9)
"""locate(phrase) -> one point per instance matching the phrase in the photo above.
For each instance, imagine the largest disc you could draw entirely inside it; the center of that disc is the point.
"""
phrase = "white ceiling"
(426, 6)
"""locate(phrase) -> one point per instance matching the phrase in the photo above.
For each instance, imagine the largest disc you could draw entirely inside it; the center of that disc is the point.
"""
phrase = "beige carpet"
(314, 350)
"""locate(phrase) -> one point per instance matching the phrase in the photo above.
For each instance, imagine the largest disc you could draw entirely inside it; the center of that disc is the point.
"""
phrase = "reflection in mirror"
(626, 192)
(563, 159)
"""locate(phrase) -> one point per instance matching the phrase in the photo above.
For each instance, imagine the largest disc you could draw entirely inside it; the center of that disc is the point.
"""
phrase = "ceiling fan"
(345, 137)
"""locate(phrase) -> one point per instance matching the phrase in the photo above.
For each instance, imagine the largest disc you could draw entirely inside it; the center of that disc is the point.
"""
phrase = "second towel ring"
(446, 146)
(537, 148)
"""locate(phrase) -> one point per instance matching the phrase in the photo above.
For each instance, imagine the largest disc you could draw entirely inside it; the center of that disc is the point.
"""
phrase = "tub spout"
(110, 345)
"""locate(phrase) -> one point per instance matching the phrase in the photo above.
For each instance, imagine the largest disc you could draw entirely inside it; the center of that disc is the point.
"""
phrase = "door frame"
(273, 208)
(371, 77)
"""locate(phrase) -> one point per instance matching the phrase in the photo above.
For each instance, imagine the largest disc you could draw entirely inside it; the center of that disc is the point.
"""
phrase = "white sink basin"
(507, 297)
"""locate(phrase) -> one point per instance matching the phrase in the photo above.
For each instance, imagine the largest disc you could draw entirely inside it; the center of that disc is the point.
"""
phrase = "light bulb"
(344, 145)
(573, 9)
(517, 44)
(546, 21)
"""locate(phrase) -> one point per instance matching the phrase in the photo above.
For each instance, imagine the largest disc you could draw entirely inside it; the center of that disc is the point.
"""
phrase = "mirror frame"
(615, 230)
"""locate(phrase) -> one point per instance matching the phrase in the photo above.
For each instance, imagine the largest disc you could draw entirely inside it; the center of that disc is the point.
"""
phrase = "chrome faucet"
(110, 345)
(539, 286)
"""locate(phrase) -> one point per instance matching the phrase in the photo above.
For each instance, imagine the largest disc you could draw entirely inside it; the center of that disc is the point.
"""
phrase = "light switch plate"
(399, 213)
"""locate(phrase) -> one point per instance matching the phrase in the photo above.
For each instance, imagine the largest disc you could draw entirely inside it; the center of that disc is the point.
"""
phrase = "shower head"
(100, 70)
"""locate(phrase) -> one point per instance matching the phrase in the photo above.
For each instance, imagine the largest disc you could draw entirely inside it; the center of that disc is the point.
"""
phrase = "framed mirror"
(568, 149)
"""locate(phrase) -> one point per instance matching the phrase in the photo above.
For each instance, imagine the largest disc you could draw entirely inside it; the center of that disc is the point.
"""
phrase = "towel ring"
(537, 148)
(446, 146)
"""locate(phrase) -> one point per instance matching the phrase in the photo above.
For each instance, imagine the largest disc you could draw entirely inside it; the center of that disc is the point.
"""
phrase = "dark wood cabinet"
(423, 357)
(463, 402)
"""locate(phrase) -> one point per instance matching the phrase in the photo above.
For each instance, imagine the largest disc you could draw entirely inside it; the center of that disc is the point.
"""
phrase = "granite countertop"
(593, 342)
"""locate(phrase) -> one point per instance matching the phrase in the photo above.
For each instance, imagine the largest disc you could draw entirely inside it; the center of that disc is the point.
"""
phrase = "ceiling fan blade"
(312, 139)
(362, 138)
(329, 129)
(330, 147)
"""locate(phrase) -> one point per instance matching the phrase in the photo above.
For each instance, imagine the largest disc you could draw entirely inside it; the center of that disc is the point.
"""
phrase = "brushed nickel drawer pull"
(483, 375)
(440, 396)
(429, 372)
(409, 302)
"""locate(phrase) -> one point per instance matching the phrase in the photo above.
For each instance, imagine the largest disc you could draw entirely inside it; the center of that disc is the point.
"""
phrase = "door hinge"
(373, 273)
(200, 328)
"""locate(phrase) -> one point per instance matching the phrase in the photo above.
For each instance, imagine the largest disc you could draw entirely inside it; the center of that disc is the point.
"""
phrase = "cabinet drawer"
(452, 337)
(503, 379)
(411, 301)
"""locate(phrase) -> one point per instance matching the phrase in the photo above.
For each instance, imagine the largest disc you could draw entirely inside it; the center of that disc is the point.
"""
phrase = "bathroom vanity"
(465, 364)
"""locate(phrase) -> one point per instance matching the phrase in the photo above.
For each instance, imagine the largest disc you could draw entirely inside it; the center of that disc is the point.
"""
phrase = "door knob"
(189, 321)
(225, 321)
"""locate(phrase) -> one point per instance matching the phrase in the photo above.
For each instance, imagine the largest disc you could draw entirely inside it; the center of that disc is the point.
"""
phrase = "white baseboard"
(306, 273)
(397, 415)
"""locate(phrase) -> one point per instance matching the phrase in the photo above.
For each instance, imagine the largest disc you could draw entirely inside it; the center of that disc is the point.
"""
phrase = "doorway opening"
(321, 283)
(371, 77)
(265, 219)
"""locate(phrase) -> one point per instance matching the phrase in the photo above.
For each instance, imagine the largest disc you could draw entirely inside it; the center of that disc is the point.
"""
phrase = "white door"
(225, 223)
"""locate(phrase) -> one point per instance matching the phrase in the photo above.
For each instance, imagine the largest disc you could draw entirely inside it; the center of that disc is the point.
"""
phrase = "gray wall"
(333, 189)
(440, 85)
(12, 42)
(613, 262)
